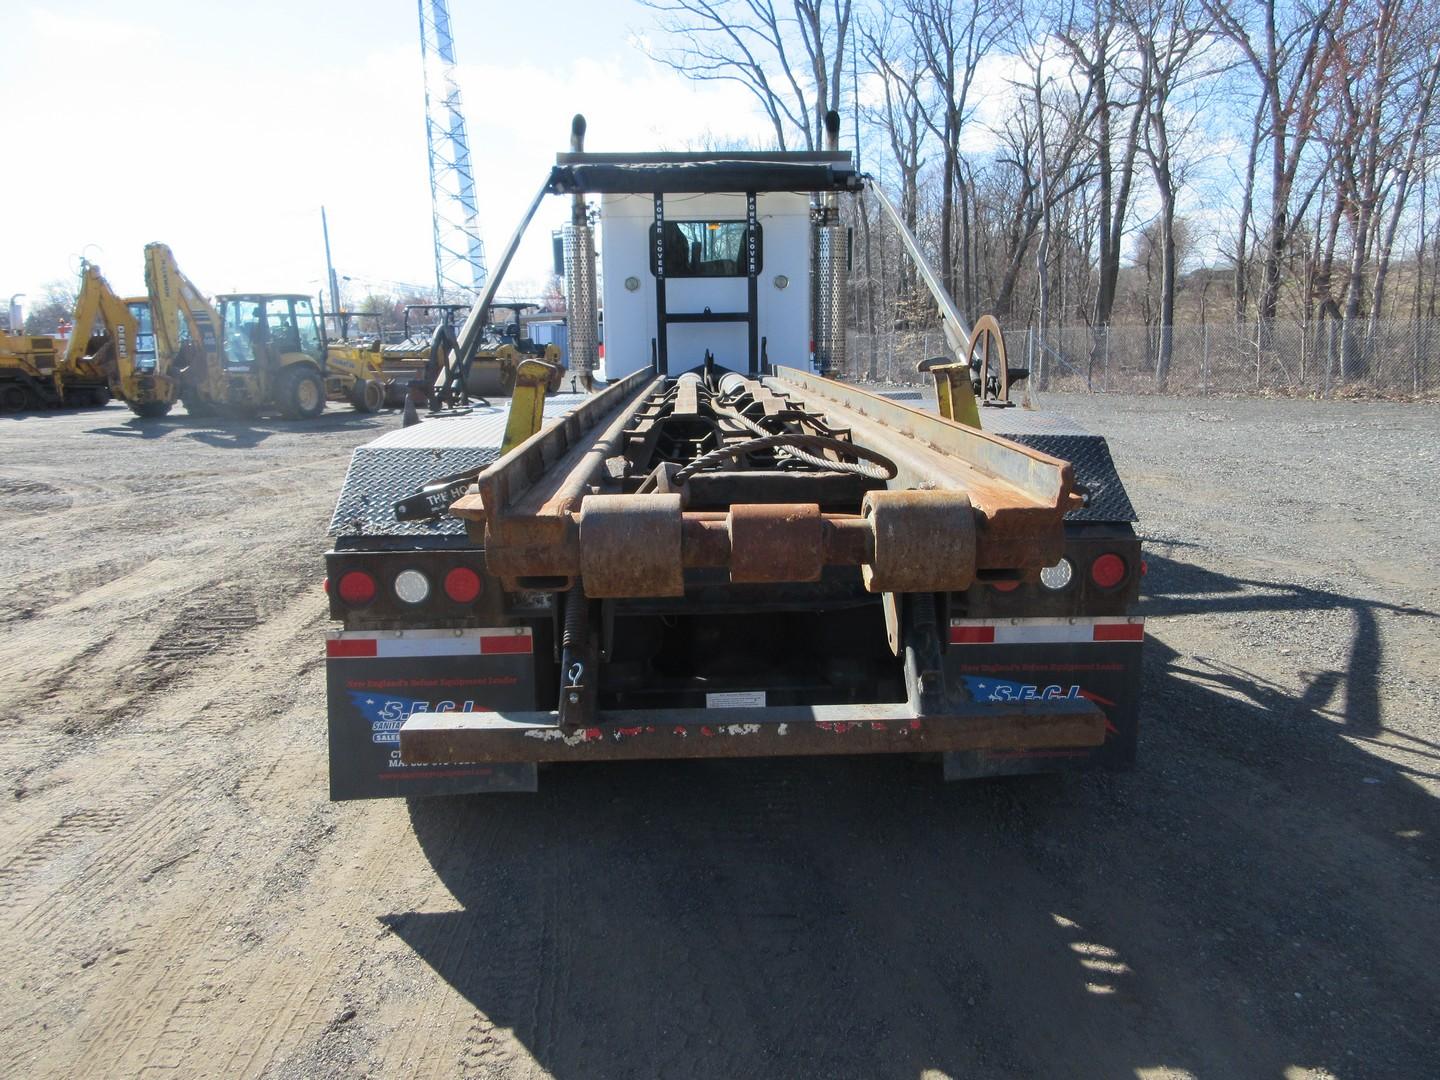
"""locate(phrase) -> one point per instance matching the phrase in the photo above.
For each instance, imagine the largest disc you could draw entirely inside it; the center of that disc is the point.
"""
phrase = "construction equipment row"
(239, 354)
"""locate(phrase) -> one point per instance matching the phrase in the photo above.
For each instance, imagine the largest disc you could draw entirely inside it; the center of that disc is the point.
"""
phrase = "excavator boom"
(91, 365)
(182, 315)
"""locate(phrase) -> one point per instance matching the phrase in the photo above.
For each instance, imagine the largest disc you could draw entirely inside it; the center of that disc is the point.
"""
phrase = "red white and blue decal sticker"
(387, 712)
(984, 688)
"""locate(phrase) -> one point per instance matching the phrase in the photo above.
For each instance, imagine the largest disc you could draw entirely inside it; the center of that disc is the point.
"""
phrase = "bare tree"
(1415, 127)
(1089, 30)
(954, 36)
(891, 53)
(1245, 225)
(791, 62)
(56, 306)
(1289, 47)
(1169, 35)
(1061, 121)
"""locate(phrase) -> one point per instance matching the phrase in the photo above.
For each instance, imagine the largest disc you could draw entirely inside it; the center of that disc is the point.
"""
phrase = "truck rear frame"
(736, 560)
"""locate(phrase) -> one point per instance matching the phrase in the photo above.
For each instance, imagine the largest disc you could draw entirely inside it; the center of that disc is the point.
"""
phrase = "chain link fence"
(1397, 358)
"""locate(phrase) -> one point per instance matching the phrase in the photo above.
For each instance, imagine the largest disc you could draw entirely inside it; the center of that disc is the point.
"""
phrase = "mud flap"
(1040, 660)
(376, 680)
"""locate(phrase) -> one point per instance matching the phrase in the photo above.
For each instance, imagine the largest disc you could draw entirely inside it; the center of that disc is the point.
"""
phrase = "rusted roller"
(924, 541)
(776, 542)
(630, 545)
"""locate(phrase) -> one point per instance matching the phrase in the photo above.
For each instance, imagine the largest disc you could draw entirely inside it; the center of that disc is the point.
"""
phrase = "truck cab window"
(706, 249)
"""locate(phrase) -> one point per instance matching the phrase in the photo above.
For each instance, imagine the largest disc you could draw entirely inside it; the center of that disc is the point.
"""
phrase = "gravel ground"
(1258, 898)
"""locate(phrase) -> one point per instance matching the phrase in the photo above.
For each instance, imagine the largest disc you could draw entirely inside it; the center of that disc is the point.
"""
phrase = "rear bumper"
(455, 738)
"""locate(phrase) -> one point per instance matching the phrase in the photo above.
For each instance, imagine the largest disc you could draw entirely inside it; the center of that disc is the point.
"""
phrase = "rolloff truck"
(719, 550)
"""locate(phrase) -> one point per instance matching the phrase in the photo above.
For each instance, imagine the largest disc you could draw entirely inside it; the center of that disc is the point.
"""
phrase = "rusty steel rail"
(976, 457)
(961, 502)
(518, 502)
(798, 730)
(1020, 495)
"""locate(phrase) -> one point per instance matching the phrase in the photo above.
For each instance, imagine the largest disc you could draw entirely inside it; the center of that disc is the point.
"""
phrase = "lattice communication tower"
(459, 251)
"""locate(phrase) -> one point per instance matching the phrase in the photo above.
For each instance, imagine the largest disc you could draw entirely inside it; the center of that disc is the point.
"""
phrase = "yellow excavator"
(94, 362)
(246, 352)
(141, 384)
(100, 357)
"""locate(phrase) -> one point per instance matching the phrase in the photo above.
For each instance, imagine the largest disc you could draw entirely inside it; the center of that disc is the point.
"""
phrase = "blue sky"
(221, 130)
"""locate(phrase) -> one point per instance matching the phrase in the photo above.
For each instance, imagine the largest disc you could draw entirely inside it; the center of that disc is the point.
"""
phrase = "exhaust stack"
(830, 274)
(580, 295)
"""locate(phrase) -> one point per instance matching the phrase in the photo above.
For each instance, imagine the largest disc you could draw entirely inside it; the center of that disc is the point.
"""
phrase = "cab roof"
(691, 173)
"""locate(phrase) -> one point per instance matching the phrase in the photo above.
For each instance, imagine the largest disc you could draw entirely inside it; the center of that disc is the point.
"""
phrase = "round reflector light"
(1004, 586)
(462, 585)
(1108, 570)
(411, 586)
(1058, 576)
(357, 587)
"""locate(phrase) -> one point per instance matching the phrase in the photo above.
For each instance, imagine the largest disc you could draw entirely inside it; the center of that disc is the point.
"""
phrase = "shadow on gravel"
(1258, 895)
(1176, 588)
(242, 433)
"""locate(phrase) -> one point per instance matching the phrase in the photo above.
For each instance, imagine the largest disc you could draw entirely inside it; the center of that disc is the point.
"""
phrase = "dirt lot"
(1259, 898)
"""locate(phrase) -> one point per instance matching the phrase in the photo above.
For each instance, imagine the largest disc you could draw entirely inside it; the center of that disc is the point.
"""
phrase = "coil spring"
(574, 618)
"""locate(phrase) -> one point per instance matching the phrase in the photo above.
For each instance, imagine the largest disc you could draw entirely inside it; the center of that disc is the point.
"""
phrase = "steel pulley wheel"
(986, 357)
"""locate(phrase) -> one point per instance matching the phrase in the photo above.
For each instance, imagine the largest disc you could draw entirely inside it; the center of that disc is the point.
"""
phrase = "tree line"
(1106, 161)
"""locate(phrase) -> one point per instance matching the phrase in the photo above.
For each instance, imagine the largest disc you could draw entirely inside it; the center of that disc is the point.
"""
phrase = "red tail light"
(357, 587)
(1004, 586)
(1108, 570)
(462, 585)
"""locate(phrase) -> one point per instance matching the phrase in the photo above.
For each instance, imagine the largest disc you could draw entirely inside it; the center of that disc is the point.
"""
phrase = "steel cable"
(873, 465)
(824, 463)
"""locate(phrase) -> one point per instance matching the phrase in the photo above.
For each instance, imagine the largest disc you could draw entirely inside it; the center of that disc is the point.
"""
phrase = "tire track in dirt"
(454, 1036)
(177, 775)
(157, 835)
(182, 655)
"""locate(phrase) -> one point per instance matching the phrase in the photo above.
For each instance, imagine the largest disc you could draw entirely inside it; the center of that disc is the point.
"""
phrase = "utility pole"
(329, 267)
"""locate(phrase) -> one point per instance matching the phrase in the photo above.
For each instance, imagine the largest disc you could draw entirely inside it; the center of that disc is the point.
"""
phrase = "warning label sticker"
(736, 699)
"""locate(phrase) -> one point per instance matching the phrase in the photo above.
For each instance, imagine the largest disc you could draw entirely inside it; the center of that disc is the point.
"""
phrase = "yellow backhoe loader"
(246, 352)
(98, 360)
(144, 387)
(101, 350)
